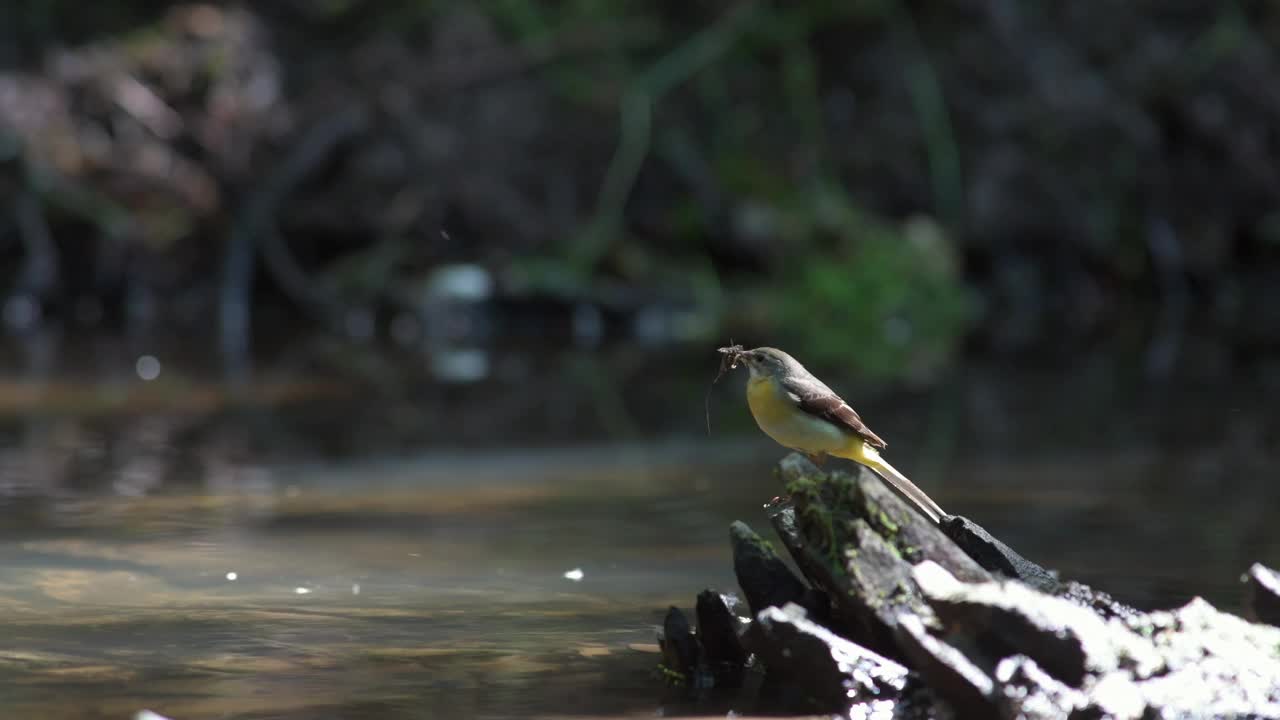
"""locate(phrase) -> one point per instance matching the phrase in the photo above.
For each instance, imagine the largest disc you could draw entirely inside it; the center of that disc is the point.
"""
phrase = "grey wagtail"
(798, 411)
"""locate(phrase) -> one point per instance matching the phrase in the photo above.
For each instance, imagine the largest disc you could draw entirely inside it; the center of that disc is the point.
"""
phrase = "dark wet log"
(991, 636)
(1026, 691)
(827, 575)
(946, 670)
(817, 600)
(718, 627)
(995, 556)
(881, 589)
(827, 579)
(812, 564)
(1097, 601)
(826, 502)
(834, 672)
(1262, 594)
(825, 498)
(913, 535)
(856, 539)
(762, 575)
(679, 647)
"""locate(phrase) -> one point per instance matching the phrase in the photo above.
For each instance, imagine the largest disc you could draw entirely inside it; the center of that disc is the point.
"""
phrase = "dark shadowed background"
(357, 356)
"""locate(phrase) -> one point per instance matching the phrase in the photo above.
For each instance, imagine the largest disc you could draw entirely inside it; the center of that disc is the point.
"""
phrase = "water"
(354, 533)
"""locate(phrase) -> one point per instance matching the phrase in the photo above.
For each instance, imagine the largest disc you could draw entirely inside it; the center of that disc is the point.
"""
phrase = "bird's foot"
(819, 459)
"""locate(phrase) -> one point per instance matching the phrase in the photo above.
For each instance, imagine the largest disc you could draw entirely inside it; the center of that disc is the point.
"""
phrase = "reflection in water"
(346, 536)
(459, 365)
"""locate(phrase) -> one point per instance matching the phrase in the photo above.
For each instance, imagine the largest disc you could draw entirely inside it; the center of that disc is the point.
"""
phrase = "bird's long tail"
(926, 505)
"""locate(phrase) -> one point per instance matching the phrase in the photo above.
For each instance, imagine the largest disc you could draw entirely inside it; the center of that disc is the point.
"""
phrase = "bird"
(800, 412)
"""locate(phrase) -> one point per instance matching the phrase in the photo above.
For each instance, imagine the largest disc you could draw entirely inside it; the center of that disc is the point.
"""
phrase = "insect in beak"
(733, 354)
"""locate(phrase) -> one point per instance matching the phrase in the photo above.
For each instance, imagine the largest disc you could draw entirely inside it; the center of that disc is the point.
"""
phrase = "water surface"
(348, 533)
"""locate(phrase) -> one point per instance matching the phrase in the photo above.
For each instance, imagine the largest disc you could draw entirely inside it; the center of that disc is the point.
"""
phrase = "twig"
(636, 111)
(254, 228)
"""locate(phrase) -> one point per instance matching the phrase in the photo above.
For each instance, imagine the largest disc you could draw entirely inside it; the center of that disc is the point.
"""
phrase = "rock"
(855, 539)
(946, 670)
(1262, 595)
(994, 555)
(679, 648)
(914, 536)
(1026, 691)
(834, 672)
(826, 577)
(783, 518)
(864, 495)
(1214, 664)
(881, 588)
(1205, 688)
(1096, 600)
(848, 612)
(722, 651)
(763, 577)
(992, 636)
(1067, 640)
(816, 601)
(1058, 658)
(997, 557)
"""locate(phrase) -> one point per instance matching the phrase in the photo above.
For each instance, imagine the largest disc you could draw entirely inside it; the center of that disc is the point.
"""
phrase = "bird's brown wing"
(815, 398)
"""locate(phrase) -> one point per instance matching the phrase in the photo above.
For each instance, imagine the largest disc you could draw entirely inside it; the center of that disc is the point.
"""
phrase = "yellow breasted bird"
(798, 411)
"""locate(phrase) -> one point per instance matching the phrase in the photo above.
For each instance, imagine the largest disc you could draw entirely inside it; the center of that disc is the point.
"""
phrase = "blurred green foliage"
(884, 298)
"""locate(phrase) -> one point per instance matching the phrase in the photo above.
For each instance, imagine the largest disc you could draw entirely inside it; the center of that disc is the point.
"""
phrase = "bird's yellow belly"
(781, 420)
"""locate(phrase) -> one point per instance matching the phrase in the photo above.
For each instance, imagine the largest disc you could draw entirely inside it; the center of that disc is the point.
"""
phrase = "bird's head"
(761, 362)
